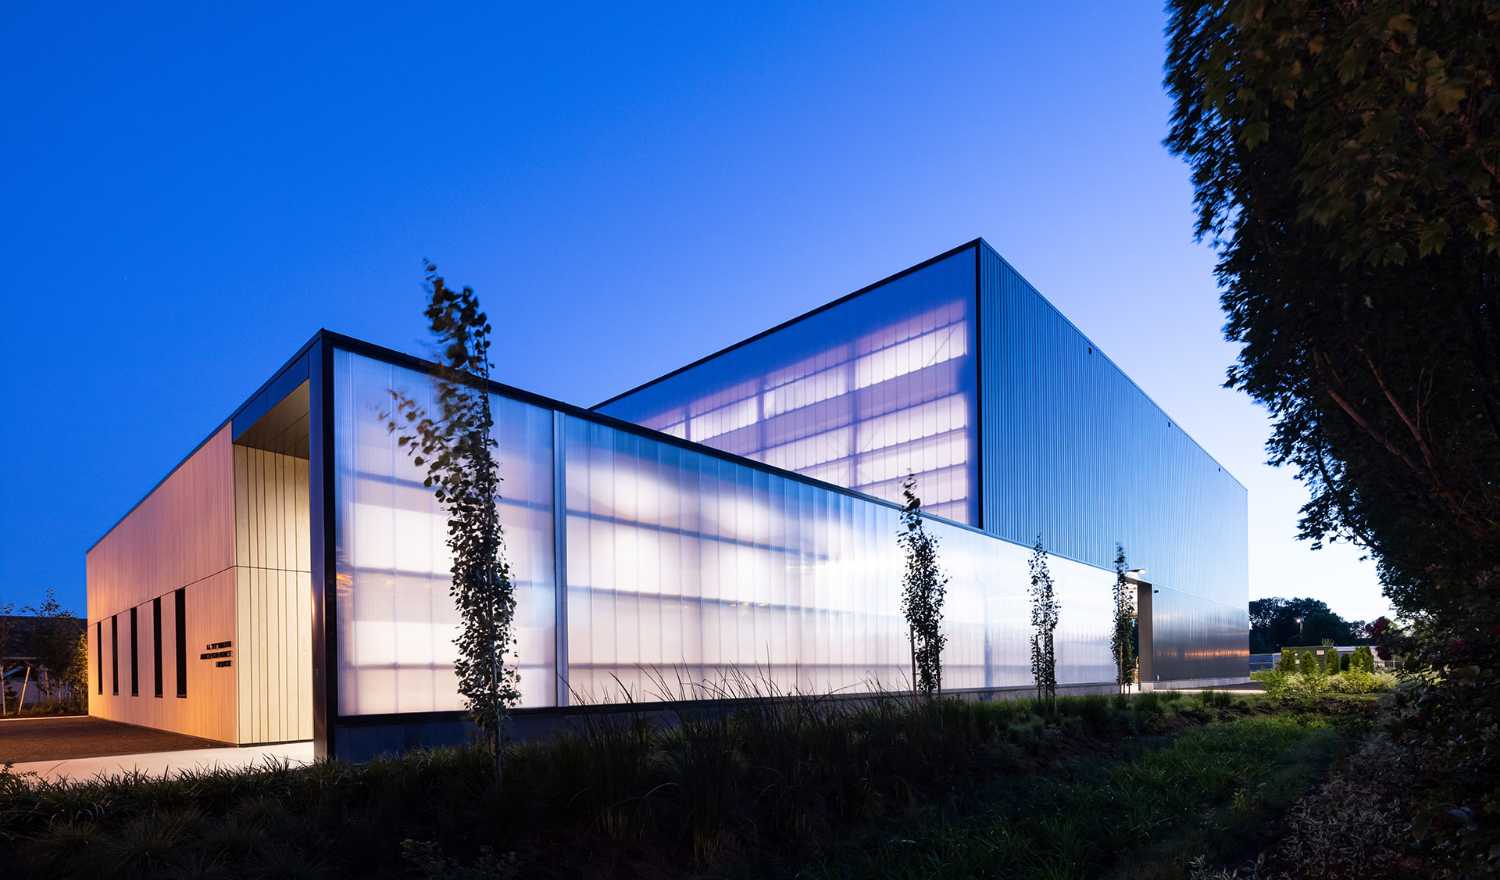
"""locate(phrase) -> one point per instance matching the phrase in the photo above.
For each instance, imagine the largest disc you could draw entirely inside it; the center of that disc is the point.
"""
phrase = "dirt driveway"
(81, 736)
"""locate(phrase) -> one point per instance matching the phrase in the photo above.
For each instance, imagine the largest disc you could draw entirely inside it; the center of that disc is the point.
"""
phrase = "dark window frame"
(156, 642)
(99, 652)
(135, 663)
(114, 655)
(180, 603)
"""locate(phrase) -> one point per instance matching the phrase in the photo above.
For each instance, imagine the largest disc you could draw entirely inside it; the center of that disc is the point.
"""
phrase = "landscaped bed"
(802, 787)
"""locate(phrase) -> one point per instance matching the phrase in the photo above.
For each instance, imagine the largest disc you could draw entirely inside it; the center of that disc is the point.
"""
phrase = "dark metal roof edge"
(790, 321)
(228, 422)
(370, 349)
(379, 352)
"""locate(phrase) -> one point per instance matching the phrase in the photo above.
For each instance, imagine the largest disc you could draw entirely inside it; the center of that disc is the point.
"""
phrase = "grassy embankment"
(799, 786)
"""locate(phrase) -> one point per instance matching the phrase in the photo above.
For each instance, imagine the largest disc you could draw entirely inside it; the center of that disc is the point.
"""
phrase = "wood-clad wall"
(230, 528)
(273, 595)
(182, 536)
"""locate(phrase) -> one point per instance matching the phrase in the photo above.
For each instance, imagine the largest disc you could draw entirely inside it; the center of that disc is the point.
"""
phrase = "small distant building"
(25, 673)
(289, 579)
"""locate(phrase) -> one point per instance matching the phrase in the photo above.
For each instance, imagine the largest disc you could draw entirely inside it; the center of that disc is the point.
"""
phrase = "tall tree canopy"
(1346, 163)
(1277, 623)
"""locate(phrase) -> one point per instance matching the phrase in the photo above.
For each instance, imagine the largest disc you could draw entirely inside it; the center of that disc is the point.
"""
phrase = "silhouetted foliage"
(457, 447)
(1346, 165)
(1278, 622)
(924, 587)
(1045, 609)
(1121, 641)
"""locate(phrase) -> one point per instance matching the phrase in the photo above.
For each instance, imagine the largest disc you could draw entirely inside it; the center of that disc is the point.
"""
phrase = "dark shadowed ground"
(80, 736)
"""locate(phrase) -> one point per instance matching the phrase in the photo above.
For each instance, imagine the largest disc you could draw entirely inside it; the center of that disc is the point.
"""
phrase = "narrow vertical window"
(114, 654)
(135, 664)
(99, 652)
(181, 602)
(156, 642)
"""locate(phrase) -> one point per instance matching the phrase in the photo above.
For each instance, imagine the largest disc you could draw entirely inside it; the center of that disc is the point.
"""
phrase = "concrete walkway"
(167, 763)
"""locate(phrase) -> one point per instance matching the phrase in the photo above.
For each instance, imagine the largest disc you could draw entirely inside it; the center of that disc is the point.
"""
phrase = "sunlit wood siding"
(274, 596)
(181, 536)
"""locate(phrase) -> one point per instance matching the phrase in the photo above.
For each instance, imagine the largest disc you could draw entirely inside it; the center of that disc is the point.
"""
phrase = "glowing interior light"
(929, 349)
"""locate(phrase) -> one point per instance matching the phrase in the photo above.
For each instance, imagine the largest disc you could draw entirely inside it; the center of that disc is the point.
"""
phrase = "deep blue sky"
(188, 194)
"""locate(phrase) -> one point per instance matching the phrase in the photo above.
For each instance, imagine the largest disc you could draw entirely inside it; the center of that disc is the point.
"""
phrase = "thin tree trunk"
(499, 716)
(911, 638)
(497, 661)
(21, 703)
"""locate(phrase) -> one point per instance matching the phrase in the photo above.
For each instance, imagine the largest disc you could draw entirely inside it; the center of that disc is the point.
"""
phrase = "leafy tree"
(1277, 622)
(923, 589)
(1346, 165)
(75, 675)
(1045, 609)
(54, 635)
(457, 447)
(1120, 642)
(1330, 658)
(1389, 638)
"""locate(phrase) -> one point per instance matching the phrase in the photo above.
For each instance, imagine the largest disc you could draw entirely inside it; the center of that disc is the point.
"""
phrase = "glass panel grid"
(688, 575)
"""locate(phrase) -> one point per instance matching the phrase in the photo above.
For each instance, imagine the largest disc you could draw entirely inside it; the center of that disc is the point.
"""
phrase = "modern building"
(732, 519)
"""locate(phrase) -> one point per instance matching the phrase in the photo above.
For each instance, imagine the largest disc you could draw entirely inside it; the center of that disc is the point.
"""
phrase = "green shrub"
(1345, 662)
(1363, 659)
(1275, 680)
(1361, 682)
(1287, 662)
(1307, 686)
(1293, 685)
(1307, 662)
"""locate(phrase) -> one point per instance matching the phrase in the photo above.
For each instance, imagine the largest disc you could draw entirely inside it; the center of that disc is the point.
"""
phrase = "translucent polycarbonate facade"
(686, 571)
(395, 619)
(859, 394)
(1075, 452)
(1057, 442)
(704, 569)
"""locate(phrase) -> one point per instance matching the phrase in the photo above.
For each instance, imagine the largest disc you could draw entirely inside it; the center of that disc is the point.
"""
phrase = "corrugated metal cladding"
(1074, 452)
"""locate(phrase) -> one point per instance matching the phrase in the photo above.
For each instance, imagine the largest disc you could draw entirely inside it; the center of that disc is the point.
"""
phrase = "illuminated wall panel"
(858, 394)
(396, 621)
(689, 572)
(686, 572)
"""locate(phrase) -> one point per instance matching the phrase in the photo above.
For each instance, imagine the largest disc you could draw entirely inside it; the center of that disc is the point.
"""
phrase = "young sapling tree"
(923, 589)
(455, 443)
(1120, 642)
(1044, 615)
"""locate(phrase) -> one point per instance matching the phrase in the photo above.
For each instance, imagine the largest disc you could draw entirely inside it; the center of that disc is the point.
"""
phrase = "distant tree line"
(1277, 623)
